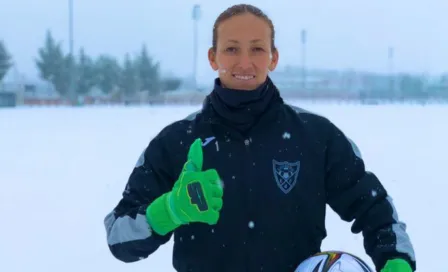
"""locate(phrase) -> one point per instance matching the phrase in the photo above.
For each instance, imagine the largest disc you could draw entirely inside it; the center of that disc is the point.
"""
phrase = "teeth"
(243, 77)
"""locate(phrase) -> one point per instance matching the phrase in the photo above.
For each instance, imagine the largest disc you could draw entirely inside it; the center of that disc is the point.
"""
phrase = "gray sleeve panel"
(403, 242)
(131, 239)
(126, 229)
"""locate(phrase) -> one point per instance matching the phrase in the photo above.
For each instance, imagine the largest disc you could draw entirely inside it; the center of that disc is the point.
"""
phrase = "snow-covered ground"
(62, 170)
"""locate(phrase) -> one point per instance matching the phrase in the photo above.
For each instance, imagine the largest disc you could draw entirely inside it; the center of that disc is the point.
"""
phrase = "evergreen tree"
(129, 82)
(5, 60)
(171, 84)
(148, 72)
(54, 65)
(85, 70)
(108, 71)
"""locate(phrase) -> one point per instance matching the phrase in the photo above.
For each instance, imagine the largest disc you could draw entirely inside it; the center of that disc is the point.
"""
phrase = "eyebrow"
(252, 41)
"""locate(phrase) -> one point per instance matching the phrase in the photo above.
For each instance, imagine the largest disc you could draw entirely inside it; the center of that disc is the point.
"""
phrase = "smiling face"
(244, 53)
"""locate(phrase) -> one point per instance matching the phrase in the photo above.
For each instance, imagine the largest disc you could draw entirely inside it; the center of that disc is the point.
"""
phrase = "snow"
(62, 170)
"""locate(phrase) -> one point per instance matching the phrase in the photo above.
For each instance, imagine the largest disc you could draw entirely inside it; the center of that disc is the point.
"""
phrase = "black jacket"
(280, 166)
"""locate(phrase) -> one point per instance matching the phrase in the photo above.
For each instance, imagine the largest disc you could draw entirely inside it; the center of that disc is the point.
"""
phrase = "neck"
(241, 109)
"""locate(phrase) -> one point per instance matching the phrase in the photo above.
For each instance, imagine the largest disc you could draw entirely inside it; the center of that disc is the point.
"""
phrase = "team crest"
(286, 174)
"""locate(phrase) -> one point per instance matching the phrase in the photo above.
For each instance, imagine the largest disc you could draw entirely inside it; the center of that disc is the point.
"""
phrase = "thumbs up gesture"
(195, 197)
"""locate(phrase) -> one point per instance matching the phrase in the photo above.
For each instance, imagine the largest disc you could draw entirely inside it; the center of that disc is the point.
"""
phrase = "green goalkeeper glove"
(195, 197)
(397, 265)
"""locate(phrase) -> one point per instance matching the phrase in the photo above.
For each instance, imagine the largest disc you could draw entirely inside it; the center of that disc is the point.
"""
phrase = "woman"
(279, 167)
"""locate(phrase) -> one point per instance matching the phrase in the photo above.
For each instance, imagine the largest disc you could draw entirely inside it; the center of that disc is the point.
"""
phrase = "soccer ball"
(333, 261)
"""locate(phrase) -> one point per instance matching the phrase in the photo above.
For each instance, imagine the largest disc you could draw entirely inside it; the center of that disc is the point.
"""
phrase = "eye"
(258, 49)
(231, 49)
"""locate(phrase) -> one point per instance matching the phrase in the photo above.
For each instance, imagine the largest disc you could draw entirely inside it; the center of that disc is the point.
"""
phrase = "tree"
(171, 84)
(444, 85)
(5, 60)
(129, 81)
(148, 72)
(412, 86)
(107, 70)
(85, 70)
(53, 65)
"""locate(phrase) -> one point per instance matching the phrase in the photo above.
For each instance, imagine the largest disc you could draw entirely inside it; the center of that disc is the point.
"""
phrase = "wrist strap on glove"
(160, 215)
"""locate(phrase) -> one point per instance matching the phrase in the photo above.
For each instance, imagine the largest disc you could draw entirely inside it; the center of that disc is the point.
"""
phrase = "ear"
(212, 59)
(274, 60)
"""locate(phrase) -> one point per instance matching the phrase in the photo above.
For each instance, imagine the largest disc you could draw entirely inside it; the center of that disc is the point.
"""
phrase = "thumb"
(195, 157)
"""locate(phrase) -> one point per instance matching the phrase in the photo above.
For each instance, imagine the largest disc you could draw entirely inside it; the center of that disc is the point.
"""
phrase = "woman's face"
(243, 55)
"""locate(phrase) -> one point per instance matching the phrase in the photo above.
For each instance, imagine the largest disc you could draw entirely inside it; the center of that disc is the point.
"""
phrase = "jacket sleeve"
(357, 195)
(129, 236)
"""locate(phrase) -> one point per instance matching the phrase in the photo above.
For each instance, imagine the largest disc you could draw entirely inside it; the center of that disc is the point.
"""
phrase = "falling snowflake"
(251, 224)
(286, 135)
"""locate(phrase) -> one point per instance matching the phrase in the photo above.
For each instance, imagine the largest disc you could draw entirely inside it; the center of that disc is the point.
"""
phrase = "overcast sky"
(342, 33)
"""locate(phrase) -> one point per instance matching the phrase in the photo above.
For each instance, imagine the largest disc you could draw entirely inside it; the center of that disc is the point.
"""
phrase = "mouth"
(243, 77)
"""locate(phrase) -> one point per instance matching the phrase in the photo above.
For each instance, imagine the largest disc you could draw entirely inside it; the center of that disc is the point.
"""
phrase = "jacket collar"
(241, 109)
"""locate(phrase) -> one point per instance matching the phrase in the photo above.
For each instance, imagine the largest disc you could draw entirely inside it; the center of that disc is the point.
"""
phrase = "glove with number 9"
(195, 197)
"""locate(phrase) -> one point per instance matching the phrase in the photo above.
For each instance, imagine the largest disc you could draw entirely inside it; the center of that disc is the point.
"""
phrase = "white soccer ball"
(333, 261)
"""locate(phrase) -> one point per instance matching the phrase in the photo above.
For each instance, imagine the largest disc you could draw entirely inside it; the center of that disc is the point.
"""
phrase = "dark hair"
(239, 10)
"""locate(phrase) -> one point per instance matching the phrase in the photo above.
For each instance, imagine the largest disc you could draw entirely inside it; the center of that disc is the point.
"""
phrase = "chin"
(249, 85)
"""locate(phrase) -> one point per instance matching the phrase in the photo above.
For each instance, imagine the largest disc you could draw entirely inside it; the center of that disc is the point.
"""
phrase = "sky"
(343, 34)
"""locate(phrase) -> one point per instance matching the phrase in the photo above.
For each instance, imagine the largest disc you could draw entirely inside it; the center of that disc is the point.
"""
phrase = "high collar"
(242, 109)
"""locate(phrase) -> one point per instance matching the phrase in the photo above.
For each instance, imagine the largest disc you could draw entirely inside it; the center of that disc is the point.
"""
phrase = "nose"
(245, 60)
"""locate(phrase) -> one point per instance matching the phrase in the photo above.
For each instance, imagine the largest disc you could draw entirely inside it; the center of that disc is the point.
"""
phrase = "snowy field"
(62, 170)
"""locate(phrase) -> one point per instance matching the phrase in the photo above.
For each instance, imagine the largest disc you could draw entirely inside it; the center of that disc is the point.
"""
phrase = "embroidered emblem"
(286, 174)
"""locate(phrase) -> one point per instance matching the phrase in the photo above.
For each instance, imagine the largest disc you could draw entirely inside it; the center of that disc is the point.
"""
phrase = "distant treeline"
(81, 73)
